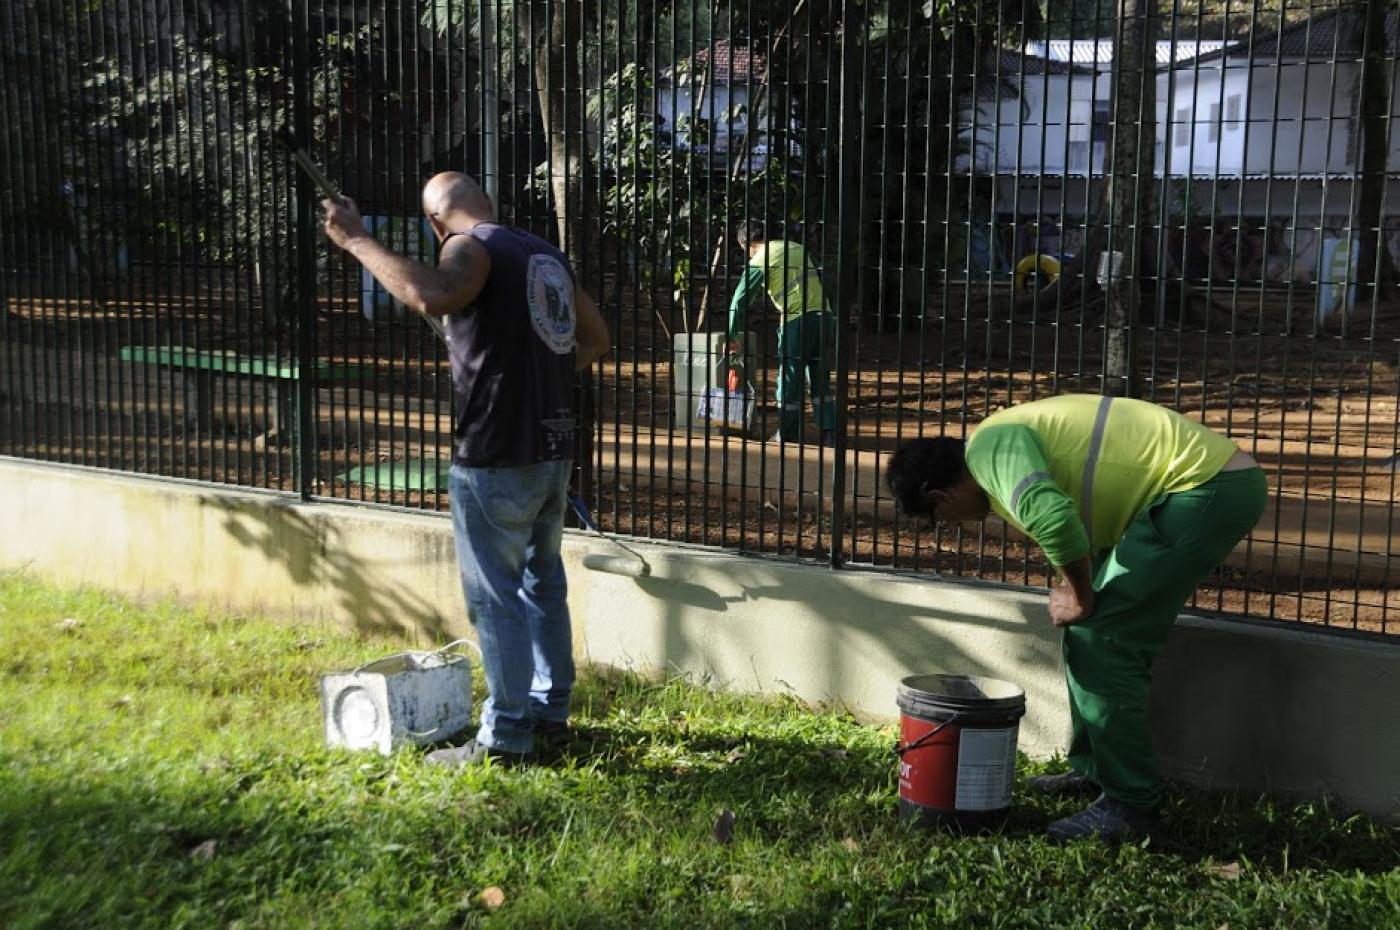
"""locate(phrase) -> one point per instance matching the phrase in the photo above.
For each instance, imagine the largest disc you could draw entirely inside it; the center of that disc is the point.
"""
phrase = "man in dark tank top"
(518, 326)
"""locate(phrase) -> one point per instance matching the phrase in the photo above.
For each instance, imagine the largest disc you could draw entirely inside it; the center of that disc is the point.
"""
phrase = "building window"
(1101, 120)
(1079, 115)
(1213, 127)
(1181, 129)
(1232, 112)
(1079, 157)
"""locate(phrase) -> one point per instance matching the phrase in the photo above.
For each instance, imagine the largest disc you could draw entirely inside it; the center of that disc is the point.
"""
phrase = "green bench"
(200, 367)
(424, 475)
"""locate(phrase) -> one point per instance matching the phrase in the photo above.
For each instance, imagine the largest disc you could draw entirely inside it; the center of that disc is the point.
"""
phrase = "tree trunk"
(557, 36)
(1374, 268)
(1128, 192)
(739, 164)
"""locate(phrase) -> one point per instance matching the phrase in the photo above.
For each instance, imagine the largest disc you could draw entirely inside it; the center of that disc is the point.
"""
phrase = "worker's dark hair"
(751, 232)
(920, 466)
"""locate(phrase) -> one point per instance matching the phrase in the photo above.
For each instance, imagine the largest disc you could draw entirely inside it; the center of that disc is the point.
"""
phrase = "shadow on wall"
(860, 627)
(315, 554)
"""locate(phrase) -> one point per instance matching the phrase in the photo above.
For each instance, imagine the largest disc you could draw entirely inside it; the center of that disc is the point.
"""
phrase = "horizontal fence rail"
(982, 205)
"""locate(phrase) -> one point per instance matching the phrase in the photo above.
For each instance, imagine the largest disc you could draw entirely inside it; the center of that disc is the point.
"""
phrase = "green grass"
(130, 741)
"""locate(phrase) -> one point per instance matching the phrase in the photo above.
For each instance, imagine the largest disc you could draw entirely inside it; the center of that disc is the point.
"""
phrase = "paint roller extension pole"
(329, 191)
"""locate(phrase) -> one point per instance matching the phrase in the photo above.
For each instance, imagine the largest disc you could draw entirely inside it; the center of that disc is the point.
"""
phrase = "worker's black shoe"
(1105, 819)
(553, 732)
(1066, 784)
(474, 753)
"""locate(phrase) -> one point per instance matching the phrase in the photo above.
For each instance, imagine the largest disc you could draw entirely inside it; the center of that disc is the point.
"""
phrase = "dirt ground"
(1316, 407)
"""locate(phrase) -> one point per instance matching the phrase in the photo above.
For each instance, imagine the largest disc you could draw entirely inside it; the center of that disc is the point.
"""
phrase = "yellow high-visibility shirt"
(1072, 472)
(782, 269)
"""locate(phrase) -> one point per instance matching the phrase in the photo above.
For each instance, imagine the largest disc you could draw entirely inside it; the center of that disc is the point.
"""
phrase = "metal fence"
(955, 172)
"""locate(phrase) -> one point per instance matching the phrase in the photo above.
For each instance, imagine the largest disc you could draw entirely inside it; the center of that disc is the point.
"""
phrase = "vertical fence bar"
(848, 234)
(304, 441)
(13, 432)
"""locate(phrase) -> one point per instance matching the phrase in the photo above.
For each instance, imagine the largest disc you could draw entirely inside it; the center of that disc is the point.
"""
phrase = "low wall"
(1235, 704)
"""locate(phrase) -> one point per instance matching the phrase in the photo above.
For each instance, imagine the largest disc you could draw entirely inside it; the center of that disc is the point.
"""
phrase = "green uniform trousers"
(1140, 588)
(805, 344)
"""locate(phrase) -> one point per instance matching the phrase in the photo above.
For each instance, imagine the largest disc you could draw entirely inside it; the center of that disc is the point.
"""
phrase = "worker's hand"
(1066, 607)
(343, 221)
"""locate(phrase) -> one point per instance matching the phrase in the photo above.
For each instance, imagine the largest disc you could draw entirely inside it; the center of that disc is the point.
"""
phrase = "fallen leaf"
(492, 898)
(738, 885)
(69, 625)
(850, 845)
(724, 826)
(121, 702)
(204, 851)
(734, 756)
(1230, 871)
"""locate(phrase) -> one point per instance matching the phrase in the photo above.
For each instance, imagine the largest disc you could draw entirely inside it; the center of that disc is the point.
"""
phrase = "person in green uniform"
(806, 334)
(1134, 505)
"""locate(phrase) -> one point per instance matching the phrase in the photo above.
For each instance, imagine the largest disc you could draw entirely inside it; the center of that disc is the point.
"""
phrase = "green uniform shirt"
(783, 269)
(1072, 472)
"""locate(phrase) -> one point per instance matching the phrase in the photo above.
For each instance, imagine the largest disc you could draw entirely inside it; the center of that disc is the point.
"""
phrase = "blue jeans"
(508, 524)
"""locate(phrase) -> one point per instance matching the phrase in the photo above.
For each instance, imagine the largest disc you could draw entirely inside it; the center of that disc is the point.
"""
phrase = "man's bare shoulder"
(463, 250)
(466, 261)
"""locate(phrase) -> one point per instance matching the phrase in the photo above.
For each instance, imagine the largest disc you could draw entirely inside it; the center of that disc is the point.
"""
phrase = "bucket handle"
(428, 734)
(901, 748)
(438, 651)
(457, 642)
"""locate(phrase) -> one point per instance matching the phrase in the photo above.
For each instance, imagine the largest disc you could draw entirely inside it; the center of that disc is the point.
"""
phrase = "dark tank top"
(512, 355)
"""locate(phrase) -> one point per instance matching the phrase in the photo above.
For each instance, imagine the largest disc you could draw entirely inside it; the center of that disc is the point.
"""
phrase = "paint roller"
(329, 191)
(631, 565)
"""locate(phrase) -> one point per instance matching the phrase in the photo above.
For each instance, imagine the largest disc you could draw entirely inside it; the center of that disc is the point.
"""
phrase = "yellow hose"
(1036, 267)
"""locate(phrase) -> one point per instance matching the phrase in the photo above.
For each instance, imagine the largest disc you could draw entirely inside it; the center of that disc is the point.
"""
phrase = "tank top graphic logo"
(550, 293)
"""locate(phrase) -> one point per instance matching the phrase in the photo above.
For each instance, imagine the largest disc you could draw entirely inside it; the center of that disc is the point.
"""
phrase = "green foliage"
(667, 194)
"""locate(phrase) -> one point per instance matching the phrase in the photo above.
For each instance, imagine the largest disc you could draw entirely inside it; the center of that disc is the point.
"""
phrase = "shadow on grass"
(1273, 834)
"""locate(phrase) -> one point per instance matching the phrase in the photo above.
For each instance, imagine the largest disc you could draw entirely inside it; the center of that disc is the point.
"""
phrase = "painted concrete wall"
(1235, 704)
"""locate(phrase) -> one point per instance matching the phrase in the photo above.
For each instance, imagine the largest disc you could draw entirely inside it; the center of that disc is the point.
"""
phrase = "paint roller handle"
(310, 168)
(437, 324)
(580, 510)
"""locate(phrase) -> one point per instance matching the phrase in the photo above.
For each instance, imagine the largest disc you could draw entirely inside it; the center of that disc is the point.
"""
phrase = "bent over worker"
(1134, 505)
(518, 326)
(806, 334)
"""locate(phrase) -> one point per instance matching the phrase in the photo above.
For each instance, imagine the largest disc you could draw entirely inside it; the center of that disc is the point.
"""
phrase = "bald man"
(518, 327)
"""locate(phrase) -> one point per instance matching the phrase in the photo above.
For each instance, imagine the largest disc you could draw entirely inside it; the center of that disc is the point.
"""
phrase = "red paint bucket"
(957, 749)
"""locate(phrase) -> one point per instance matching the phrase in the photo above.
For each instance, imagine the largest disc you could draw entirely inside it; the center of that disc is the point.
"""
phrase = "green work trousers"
(1140, 588)
(805, 344)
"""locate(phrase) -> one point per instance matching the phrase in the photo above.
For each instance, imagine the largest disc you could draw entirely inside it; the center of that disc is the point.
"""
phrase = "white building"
(716, 85)
(1264, 128)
